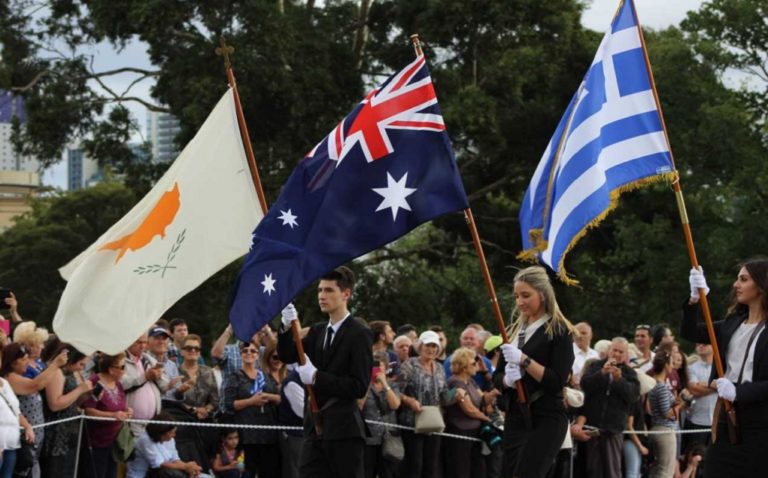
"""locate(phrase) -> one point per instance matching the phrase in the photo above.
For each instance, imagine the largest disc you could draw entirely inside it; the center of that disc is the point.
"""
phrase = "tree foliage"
(504, 72)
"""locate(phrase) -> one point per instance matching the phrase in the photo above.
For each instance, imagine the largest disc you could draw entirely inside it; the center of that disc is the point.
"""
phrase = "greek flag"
(611, 139)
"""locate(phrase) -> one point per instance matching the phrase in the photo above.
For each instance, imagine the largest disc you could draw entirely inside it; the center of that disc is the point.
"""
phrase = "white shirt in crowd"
(10, 436)
(703, 408)
(580, 357)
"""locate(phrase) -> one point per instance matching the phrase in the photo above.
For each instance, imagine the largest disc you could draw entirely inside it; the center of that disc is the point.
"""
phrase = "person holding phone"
(380, 404)
(253, 396)
(610, 389)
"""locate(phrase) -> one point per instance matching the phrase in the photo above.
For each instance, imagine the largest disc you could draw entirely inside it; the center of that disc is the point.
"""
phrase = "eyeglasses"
(643, 327)
(118, 367)
(249, 351)
(191, 348)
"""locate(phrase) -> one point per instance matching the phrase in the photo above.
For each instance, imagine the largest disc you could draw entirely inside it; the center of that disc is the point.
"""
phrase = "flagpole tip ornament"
(225, 50)
(417, 44)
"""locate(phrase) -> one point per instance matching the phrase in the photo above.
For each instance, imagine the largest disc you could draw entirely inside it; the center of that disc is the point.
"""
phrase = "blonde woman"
(539, 358)
(464, 458)
(32, 338)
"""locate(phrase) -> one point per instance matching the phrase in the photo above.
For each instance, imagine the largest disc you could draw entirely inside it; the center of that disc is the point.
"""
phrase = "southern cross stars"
(288, 218)
(269, 284)
(394, 195)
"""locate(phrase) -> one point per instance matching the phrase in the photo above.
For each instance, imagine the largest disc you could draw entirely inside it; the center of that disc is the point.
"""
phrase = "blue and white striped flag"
(611, 139)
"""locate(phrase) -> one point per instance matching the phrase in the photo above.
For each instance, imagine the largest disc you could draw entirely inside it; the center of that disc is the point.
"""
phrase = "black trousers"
(463, 458)
(375, 464)
(422, 456)
(332, 458)
(744, 460)
(530, 453)
(263, 460)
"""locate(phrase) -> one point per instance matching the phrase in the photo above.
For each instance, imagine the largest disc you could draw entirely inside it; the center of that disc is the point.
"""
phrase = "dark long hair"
(758, 271)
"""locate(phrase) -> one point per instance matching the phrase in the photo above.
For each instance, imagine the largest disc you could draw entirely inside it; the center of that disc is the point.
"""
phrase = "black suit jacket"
(556, 354)
(343, 376)
(751, 397)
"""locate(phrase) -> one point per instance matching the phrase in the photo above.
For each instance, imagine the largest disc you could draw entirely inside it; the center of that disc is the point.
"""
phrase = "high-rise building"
(162, 129)
(19, 180)
(82, 171)
(12, 107)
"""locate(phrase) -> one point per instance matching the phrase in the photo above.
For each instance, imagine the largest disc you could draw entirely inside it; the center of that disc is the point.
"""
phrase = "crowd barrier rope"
(83, 418)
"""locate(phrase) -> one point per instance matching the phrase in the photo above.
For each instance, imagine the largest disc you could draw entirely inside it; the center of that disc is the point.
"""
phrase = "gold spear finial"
(225, 50)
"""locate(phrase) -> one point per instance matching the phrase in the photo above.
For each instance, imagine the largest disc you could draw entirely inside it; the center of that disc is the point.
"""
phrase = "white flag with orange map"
(196, 220)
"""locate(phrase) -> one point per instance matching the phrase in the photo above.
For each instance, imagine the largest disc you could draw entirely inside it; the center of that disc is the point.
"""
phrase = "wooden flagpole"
(521, 398)
(226, 50)
(731, 413)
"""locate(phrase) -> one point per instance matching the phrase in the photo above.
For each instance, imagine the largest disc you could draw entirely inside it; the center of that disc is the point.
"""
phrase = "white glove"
(512, 354)
(512, 374)
(697, 281)
(307, 371)
(289, 314)
(726, 389)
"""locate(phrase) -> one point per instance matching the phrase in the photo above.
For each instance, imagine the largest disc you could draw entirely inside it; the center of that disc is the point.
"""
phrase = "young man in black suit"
(338, 365)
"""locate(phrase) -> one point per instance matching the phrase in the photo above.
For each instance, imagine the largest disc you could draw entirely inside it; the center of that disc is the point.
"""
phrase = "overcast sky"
(657, 14)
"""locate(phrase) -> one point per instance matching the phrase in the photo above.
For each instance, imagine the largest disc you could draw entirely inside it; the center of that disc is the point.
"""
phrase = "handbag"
(122, 447)
(430, 419)
(392, 448)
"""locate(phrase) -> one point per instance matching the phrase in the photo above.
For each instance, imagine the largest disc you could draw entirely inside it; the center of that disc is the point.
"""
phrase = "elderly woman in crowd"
(402, 346)
(463, 457)
(11, 419)
(253, 397)
(198, 389)
(32, 338)
(156, 452)
(14, 369)
(381, 403)
(61, 396)
(109, 401)
(422, 382)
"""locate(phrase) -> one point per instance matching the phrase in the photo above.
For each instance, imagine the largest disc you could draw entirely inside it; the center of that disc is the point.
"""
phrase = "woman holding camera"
(743, 346)
(463, 457)
(539, 358)
(381, 402)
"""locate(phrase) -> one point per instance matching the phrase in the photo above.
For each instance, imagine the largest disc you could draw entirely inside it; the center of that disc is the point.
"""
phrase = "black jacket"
(607, 403)
(556, 354)
(343, 375)
(751, 397)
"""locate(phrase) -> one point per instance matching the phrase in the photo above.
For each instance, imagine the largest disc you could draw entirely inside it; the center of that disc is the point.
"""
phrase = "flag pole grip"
(483, 263)
(226, 50)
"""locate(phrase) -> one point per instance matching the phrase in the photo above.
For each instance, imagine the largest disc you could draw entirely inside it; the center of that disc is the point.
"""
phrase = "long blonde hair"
(537, 278)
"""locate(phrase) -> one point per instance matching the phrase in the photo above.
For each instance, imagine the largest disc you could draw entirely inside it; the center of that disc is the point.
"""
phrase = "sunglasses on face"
(249, 351)
(191, 348)
(118, 367)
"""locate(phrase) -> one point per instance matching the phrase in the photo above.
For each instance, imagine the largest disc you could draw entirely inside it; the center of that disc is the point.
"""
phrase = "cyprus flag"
(196, 220)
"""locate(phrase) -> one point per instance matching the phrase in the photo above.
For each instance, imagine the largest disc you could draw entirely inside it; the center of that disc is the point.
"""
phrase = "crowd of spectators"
(618, 390)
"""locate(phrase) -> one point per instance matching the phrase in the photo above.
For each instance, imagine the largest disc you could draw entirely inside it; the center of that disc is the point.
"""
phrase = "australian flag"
(383, 170)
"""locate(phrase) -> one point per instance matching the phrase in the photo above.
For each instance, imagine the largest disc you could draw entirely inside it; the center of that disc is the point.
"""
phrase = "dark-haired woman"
(156, 454)
(15, 366)
(253, 397)
(11, 420)
(109, 403)
(743, 346)
(61, 395)
(663, 418)
(540, 357)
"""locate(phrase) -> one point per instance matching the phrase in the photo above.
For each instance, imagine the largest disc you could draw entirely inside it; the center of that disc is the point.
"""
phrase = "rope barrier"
(293, 428)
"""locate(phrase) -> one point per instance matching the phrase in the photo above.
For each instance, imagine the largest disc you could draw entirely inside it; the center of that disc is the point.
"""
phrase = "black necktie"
(521, 336)
(328, 338)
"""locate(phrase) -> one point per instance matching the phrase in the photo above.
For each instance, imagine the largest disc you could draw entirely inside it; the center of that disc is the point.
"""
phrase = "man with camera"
(610, 388)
